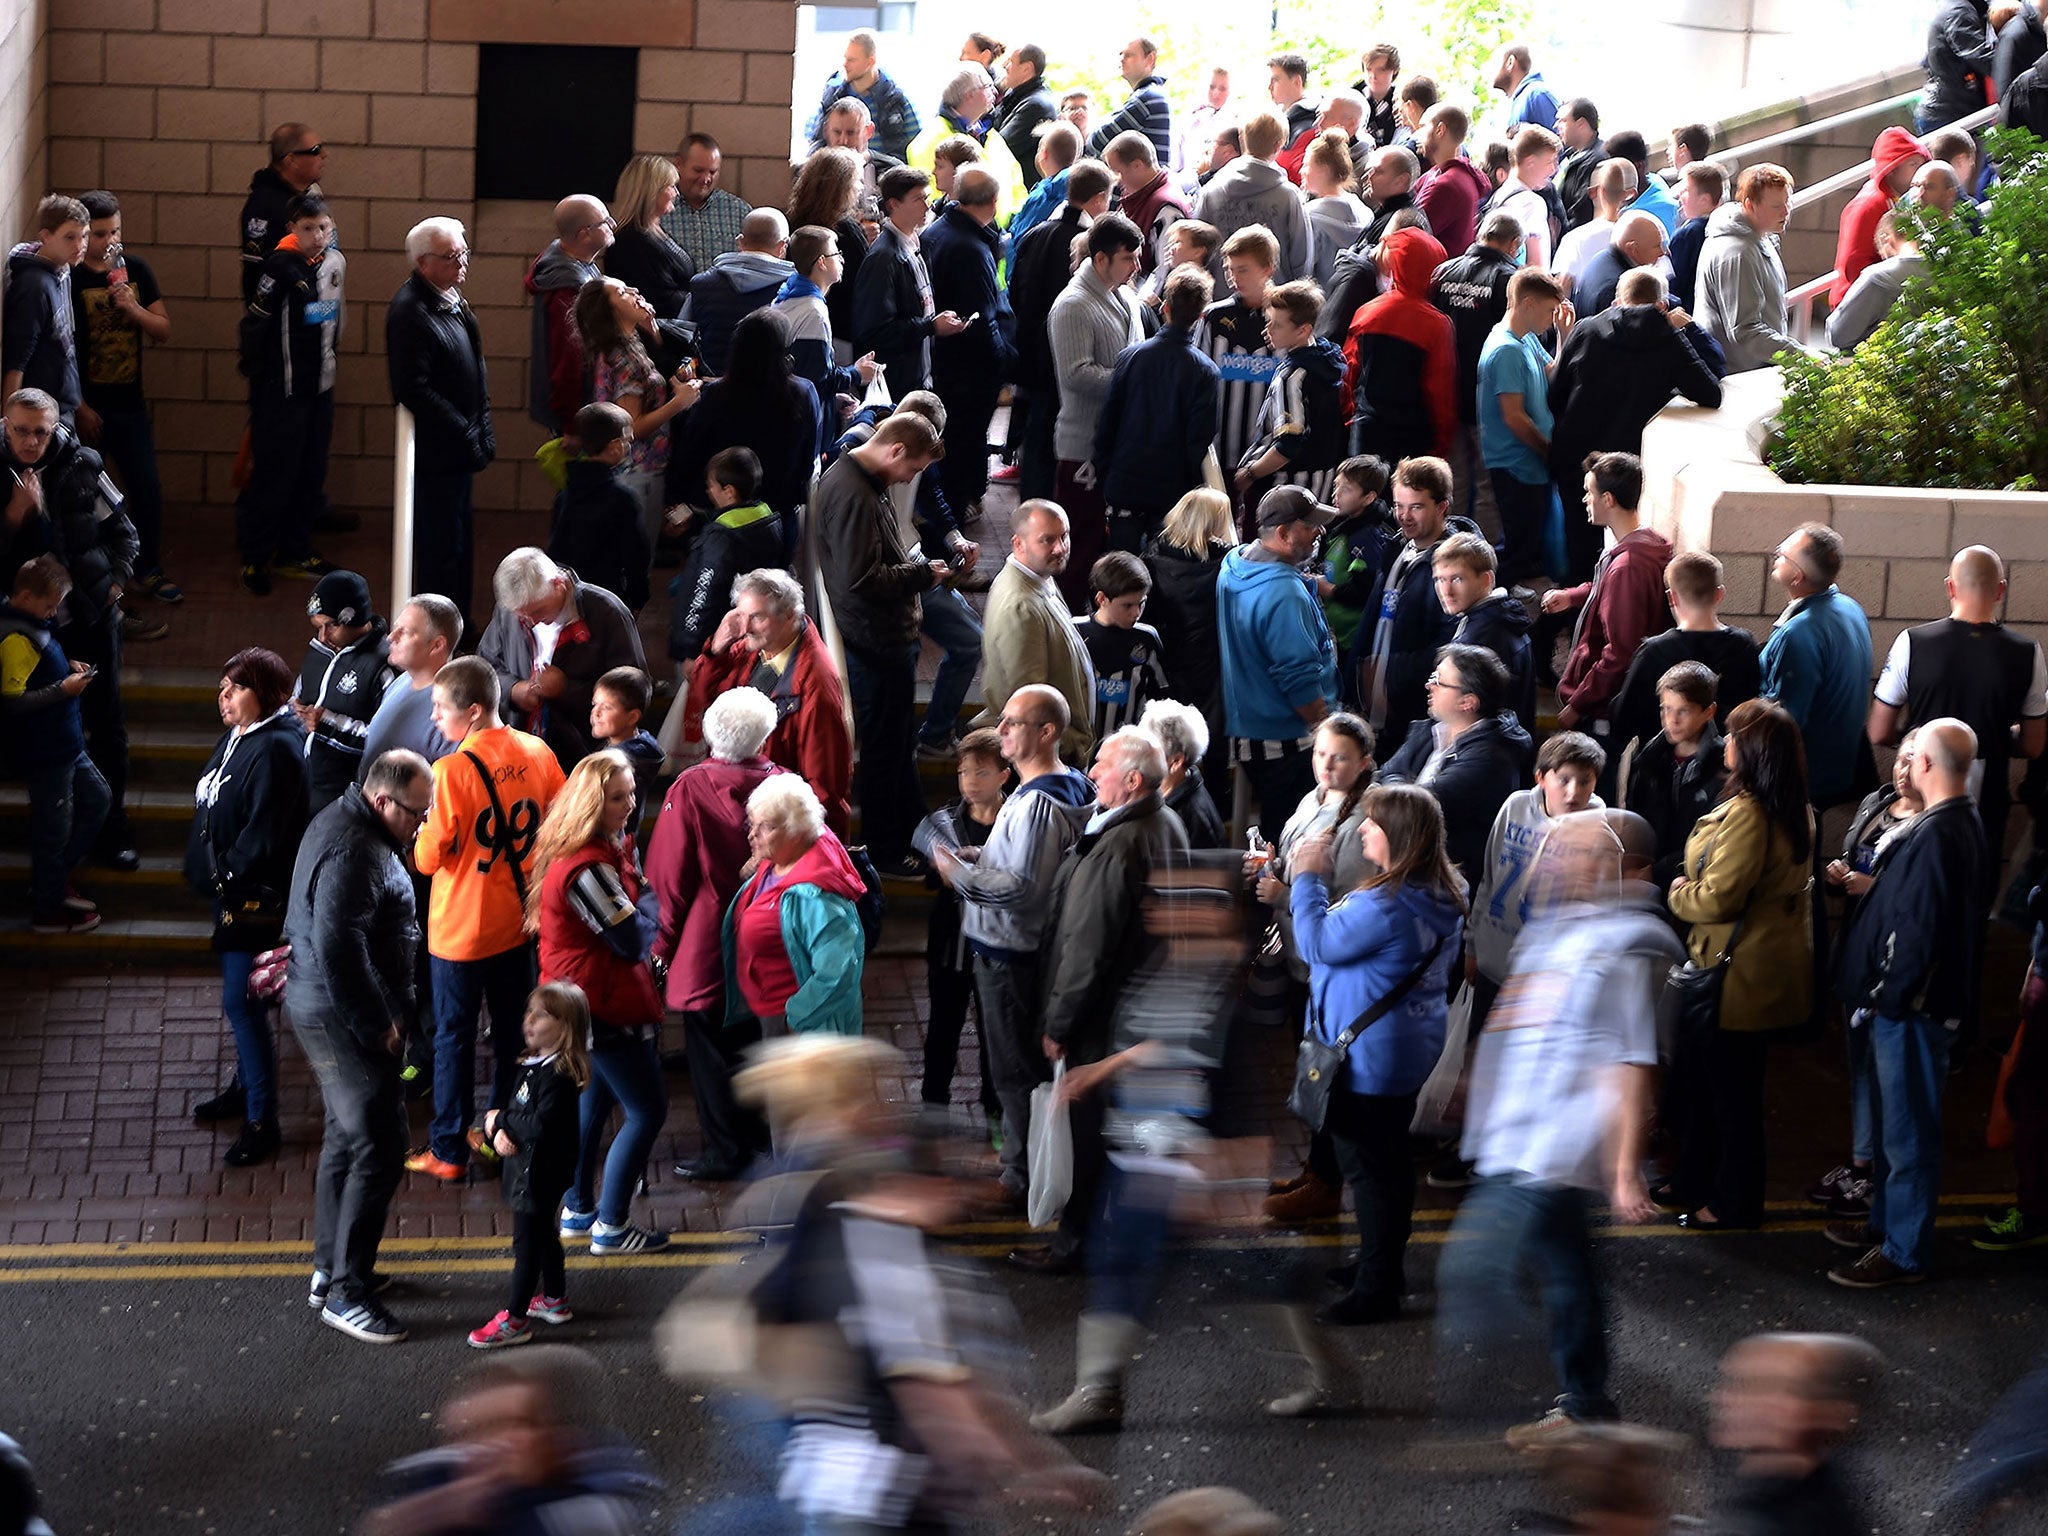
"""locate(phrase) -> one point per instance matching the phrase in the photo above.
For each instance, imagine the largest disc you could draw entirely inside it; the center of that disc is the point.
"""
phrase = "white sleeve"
(2035, 704)
(1891, 682)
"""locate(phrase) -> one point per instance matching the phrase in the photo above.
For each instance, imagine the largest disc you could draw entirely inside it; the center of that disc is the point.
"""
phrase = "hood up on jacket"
(1894, 148)
(1411, 259)
(555, 268)
(1496, 614)
(1321, 359)
(750, 271)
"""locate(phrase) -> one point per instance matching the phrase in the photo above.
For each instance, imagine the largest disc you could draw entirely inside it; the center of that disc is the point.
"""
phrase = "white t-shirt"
(1527, 208)
(1891, 691)
(1580, 247)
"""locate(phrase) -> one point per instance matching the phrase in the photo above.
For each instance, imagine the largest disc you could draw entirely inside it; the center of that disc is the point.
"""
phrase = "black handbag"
(1316, 1065)
(1691, 1002)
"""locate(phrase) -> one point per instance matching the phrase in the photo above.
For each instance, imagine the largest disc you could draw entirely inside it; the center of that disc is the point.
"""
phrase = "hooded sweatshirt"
(737, 284)
(1623, 606)
(1741, 291)
(1614, 372)
(1450, 196)
(798, 942)
(346, 686)
(1402, 357)
(1277, 653)
(40, 341)
(1248, 191)
(555, 388)
(1334, 225)
(1501, 624)
(1857, 247)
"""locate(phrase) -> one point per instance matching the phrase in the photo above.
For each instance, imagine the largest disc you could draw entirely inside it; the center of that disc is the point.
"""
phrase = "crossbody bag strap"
(504, 825)
(1385, 1005)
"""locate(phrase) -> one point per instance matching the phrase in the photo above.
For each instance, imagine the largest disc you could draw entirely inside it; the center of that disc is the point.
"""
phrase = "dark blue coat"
(960, 257)
(1157, 423)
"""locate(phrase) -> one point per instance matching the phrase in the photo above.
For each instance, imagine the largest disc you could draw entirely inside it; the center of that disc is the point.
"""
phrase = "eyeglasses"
(417, 813)
(456, 255)
(1437, 680)
(1019, 722)
(311, 151)
(600, 224)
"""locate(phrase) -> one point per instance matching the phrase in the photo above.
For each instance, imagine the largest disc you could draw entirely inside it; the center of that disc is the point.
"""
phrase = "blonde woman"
(596, 921)
(642, 255)
(1184, 558)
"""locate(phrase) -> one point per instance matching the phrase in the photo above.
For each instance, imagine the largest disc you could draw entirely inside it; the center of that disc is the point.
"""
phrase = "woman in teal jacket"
(1395, 933)
(794, 946)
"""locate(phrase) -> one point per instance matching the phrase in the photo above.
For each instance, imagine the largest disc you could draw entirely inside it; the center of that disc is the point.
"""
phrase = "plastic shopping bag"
(1051, 1161)
(878, 389)
(1437, 1110)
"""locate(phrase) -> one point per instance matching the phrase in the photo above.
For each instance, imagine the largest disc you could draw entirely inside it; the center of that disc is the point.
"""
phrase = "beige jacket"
(1027, 636)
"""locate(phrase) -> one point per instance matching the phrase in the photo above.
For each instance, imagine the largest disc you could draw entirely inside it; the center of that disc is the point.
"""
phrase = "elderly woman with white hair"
(552, 637)
(793, 942)
(1183, 736)
(694, 865)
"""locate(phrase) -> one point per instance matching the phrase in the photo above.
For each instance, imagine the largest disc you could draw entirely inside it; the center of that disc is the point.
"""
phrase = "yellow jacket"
(995, 156)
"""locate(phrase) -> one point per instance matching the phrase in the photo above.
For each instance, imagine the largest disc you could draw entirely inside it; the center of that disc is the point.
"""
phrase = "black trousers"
(1717, 1097)
(1522, 510)
(1370, 1135)
(1278, 783)
(970, 400)
(1091, 1158)
(883, 685)
(1038, 461)
(287, 489)
(729, 1133)
(951, 992)
(444, 540)
(99, 710)
(537, 1259)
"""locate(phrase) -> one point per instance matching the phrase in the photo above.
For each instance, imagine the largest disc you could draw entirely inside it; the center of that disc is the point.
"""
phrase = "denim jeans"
(882, 687)
(255, 1052)
(129, 445)
(98, 640)
(625, 1070)
(362, 1150)
(1484, 1343)
(952, 625)
(501, 983)
(1908, 1069)
(67, 804)
(1133, 1217)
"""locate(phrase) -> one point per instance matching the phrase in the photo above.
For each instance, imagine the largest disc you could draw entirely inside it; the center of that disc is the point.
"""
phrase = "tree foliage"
(1952, 389)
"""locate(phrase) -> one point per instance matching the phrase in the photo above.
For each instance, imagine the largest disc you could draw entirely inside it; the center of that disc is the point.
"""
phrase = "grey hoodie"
(1248, 191)
(1741, 291)
(1870, 299)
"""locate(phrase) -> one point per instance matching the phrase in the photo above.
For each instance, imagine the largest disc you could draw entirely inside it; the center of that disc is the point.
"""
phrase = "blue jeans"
(1484, 1342)
(1132, 1219)
(625, 1070)
(129, 445)
(67, 805)
(501, 983)
(1908, 1067)
(255, 1052)
(952, 624)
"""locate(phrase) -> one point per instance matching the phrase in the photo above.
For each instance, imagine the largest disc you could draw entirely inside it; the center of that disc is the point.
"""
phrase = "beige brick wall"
(24, 87)
(167, 103)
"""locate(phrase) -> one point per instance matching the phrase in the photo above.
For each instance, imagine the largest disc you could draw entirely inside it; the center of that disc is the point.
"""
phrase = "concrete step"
(138, 941)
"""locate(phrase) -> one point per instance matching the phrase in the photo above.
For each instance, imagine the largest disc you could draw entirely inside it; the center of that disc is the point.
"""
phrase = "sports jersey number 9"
(515, 836)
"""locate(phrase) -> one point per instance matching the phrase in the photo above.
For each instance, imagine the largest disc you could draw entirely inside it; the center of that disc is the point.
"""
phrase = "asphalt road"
(196, 1392)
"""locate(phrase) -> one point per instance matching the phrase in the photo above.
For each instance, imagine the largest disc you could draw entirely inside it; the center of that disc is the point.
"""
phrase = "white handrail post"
(401, 511)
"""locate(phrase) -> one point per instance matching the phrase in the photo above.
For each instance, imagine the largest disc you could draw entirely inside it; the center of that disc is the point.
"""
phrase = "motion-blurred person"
(1206, 1512)
(1559, 1102)
(1616, 1479)
(1784, 1404)
(521, 1458)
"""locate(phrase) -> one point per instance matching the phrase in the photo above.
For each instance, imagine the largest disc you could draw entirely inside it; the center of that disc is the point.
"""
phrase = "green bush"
(1952, 390)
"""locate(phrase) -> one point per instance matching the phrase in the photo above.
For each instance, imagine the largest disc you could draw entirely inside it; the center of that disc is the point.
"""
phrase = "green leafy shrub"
(1952, 390)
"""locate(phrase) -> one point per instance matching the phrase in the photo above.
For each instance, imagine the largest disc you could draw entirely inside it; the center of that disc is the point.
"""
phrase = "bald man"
(1908, 974)
(1028, 636)
(1638, 241)
(740, 282)
(297, 159)
(583, 232)
(1783, 1406)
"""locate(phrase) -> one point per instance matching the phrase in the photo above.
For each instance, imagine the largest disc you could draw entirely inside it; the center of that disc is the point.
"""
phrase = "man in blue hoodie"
(1279, 661)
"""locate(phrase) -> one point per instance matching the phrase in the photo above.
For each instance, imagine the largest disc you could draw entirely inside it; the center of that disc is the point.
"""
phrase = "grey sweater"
(1089, 327)
(1741, 291)
(1247, 192)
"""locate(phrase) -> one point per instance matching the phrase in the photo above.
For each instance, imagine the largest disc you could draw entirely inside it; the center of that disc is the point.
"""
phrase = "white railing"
(1739, 155)
(401, 512)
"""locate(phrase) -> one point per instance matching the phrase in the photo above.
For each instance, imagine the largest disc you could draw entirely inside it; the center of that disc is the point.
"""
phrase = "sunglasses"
(312, 151)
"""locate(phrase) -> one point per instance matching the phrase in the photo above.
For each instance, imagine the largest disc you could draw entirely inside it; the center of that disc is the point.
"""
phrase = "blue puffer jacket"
(1360, 950)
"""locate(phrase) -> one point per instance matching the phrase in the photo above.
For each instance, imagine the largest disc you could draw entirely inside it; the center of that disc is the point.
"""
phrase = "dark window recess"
(553, 120)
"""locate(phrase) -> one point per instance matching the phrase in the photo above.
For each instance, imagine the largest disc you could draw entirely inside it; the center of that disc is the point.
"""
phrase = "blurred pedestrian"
(1784, 1405)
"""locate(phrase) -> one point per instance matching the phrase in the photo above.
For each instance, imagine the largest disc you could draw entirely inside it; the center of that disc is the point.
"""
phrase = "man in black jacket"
(1579, 126)
(1907, 975)
(1960, 51)
(1467, 753)
(60, 502)
(297, 157)
(2021, 43)
(436, 361)
(1024, 107)
(1473, 290)
(352, 928)
(894, 315)
(1159, 420)
(1040, 266)
(961, 250)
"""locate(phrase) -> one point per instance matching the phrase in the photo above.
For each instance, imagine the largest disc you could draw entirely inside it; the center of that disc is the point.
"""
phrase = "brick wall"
(24, 86)
(168, 104)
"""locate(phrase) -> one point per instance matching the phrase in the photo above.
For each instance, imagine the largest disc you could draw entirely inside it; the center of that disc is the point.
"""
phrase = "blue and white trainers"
(364, 1320)
(607, 1239)
(577, 1223)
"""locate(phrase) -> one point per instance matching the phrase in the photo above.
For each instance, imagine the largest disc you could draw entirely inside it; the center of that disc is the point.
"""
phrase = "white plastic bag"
(878, 388)
(1433, 1105)
(1051, 1161)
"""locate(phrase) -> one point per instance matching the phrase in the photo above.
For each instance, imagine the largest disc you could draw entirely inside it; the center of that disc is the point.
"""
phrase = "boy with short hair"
(1674, 778)
(341, 683)
(1692, 581)
(1299, 437)
(39, 347)
(44, 740)
(949, 961)
(1354, 548)
(745, 535)
(1535, 157)
(1233, 333)
(1515, 422)
(596, 530)
(1623, 605)
(1463, 570)
(1130, 668)
(1188, 242)
(290, 337)
(618, 703)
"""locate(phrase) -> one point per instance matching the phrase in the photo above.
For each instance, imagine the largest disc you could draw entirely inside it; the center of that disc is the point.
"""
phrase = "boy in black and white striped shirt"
(1130, 668)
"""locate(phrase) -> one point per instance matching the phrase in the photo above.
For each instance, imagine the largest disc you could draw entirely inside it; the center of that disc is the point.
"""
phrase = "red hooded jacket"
(693, 866)
(811, 735)
(1401, 359)
(1857, 247)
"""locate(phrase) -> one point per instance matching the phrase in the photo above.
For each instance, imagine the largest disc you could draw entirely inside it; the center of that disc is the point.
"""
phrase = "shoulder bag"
(1316, 1065)
(1691, 1001)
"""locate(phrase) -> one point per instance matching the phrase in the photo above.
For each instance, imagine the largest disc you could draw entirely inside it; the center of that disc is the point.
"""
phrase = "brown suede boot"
(1311, 1200)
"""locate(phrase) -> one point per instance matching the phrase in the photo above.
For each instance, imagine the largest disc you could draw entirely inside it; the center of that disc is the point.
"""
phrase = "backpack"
(872, 903)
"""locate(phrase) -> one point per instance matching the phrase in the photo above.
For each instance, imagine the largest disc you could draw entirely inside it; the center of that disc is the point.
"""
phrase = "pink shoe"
(548, 1309)
(1004, 474)
(501, 1332)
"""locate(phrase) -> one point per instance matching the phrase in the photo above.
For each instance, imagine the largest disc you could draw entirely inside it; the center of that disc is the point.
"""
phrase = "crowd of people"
(1350, 414)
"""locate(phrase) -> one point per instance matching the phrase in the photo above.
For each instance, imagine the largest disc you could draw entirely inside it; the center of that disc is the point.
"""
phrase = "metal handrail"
(402, 460)
(1755, 149)
(1799, 307)
(1856, 175)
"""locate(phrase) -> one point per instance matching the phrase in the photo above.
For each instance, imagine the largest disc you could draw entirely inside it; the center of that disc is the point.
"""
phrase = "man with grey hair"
(1343, 110)
(1817, 662)
(354, 930)
(1103, 944)
(767, 643)
(848, 126)
(552, 637)
(435, 357)
(1908, 974)
(554, 387)
(1388, 186)
(424, 635)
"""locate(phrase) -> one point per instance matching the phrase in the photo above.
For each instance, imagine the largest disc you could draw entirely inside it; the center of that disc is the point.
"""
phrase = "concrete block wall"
(169, 103)
(24, 86)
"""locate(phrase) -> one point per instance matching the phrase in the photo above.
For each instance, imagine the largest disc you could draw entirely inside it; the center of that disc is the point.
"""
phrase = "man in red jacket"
(1401, 359)
(766, 642)
(1622, 606)
(1894, 158)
